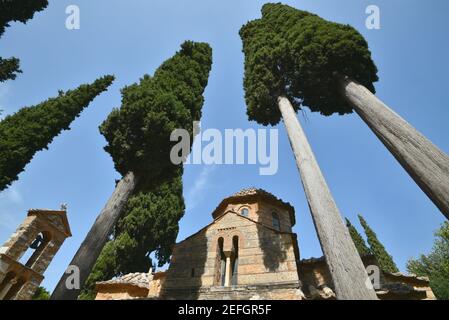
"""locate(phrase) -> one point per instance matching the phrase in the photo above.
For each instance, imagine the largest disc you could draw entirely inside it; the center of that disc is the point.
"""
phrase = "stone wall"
(121, 292)
(261, 211)
(19, 281)
(155, 285)
(317, 283)
(398, 286)
(264, 257)
(19, 241)
(284, 291)
(265, 216)
(16, 280)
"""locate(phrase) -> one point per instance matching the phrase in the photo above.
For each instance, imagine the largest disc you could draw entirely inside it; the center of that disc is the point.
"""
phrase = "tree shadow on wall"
(274, 247)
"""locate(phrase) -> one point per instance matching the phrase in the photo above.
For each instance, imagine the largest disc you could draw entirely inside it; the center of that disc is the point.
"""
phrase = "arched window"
(220, 269)
(6, 284)
(11, 285)
(244, 212)
(35, 249)
(235, 259)
(14, 289)
(276, 221)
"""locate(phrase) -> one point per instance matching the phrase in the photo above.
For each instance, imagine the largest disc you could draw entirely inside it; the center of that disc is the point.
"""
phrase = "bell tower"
(43, 232)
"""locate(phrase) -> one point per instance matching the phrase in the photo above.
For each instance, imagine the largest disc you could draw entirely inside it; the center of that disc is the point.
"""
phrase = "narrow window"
(36, 247)
(14, 289)
(6, 284)
(235, 259)
(244, 212)
(192, 273)
(276, 221)
(223, 272)
(220, 269)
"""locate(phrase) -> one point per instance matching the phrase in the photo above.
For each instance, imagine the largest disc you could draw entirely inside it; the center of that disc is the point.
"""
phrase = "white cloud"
(8, 221)
(10, 199)
(11, 195)
(196, 192)
(14, 196)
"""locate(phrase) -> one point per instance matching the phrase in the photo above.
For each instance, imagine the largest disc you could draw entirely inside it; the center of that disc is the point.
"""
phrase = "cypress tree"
(9, 68)
(138, 133)
(271, 93)
(19, 11)
(138, 136)
(435, 264)
(149, 224)
(15, 11)
(302, 55)
(32, 129)
(328, 67)
(359, 242)
(385, 260)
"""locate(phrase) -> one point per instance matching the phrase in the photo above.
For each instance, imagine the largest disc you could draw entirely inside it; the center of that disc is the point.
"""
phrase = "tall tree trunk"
(424, 162)
(90, 249)
(347, 270)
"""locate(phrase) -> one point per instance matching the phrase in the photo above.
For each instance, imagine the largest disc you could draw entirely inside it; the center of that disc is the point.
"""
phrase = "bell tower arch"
(44, 232)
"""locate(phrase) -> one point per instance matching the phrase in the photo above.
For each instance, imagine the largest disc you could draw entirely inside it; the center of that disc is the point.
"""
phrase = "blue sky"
(131, 38)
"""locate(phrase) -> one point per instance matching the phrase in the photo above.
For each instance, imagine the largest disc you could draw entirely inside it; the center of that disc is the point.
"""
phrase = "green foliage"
(359, 242)
(104, 269)
(150, 224)
(294, 53)
(138, 133)
(41, 294)
(15, 11)
(385, 260)
(18, 11)
(32, 129)
(138, 136)
(9, 69)
(152, 218)
(435, 265)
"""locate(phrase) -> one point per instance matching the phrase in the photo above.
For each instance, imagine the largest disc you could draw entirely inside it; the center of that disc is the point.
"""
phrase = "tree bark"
(346, 268)
(90, 249)
(424, 162)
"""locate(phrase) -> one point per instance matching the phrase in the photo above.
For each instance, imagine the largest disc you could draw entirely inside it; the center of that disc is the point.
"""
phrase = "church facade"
(248, 252)
(249, 245)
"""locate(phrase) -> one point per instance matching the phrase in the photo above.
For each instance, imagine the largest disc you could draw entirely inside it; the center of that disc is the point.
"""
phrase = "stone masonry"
(46, 230)
(249, 252)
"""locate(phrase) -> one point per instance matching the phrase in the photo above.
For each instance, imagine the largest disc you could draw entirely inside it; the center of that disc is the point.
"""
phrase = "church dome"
(254, 194)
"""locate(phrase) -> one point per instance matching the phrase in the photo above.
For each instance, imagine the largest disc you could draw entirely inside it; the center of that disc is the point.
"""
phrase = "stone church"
(248, 252)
